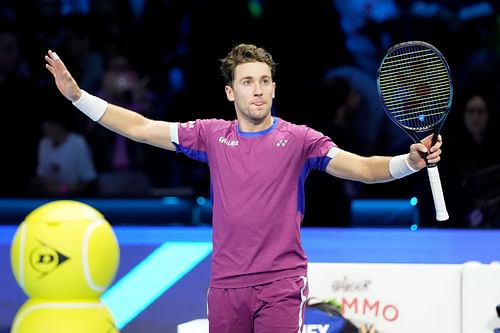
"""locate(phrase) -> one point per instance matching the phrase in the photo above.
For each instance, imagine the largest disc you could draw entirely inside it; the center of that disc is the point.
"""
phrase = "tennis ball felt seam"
(63, 305)
(21, 254)
(85, 252)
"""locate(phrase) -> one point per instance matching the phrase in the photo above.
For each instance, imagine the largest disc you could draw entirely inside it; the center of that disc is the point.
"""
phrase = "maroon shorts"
(275, 307)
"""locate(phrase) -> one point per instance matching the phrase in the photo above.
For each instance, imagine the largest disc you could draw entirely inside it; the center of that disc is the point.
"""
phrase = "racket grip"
(437, 193)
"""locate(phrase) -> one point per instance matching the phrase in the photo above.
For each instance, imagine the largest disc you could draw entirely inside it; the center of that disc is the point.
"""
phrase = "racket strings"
(415, 86)
(392, 83)
(441, 96)
(401, 56)
(415, 81)
(414, 65)
(429, 110)
(439, 90)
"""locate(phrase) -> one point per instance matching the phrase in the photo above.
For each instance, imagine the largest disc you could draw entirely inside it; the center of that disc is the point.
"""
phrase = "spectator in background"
(368, 26)
(80, 51)
(65, 165)
(41, 23)
(120, 161)
(304, 23)
(464, 31)
(357, 120)
(473, 169)
(340, 101)
(478, 48)
(173, 98)
(352, 97)
(17, 96)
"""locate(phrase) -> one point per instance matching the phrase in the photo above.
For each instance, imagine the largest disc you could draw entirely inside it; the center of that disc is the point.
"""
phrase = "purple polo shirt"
(257, 183)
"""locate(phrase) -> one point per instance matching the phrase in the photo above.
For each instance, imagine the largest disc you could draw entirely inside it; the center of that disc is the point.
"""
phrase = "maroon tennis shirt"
(257, 184)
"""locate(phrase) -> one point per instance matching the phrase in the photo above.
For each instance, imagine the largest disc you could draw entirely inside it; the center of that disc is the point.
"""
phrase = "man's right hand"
(64, 81)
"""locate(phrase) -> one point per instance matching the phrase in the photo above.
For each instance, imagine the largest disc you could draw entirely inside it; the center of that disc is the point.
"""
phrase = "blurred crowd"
(160, 58)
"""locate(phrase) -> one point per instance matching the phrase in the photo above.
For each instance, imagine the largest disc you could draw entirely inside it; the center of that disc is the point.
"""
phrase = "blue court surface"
(164, 271)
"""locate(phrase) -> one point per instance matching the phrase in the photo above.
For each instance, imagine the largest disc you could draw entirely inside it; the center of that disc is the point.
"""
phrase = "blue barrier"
(384, 213)
(176, 210)
(148, 211)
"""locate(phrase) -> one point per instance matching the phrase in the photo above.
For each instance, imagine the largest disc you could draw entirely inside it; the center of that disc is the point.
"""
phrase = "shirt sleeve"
(318, 149)
(189, 138)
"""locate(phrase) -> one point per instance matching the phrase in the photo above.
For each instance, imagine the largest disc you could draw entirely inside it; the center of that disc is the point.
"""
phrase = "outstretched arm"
(118, 119)
(379, 169)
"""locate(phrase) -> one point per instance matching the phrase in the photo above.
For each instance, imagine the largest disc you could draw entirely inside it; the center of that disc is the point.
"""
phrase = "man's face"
(252, 91)
(476, 115)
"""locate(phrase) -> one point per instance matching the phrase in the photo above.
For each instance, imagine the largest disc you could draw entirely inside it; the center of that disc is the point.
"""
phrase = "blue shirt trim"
(194, 154)
(259, 133)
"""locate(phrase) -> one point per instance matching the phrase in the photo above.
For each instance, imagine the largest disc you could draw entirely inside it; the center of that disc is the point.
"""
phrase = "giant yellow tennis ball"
(64, 250)
(42, 316)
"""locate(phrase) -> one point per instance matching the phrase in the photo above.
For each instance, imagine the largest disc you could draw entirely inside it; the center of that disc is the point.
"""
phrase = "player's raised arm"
(118, 119)
(378, 169)
(347, 165)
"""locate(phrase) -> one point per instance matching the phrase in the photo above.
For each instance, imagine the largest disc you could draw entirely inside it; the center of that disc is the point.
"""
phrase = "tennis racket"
(415, 88)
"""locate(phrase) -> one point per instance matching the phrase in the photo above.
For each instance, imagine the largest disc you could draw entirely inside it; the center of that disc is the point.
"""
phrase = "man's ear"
(229, 93)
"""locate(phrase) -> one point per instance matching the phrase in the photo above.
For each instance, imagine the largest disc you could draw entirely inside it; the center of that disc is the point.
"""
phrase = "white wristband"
(399, 166)
(93, 106)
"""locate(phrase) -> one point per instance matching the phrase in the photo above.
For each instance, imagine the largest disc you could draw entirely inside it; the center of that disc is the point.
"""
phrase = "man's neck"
(255, 126)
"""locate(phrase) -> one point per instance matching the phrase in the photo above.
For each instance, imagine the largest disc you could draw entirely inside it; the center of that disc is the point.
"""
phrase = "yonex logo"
(282, 143)
(228, 142)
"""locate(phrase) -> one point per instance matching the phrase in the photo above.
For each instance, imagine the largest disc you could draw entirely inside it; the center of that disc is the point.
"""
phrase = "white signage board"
(480, 296)
(395, 298)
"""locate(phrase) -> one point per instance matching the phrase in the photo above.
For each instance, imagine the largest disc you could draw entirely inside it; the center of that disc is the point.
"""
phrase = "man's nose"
(257, 89)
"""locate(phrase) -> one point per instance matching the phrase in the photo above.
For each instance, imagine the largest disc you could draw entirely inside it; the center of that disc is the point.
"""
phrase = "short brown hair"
(241, 54)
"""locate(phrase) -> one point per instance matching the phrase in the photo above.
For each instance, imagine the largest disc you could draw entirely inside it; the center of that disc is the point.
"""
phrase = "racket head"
(415, 87)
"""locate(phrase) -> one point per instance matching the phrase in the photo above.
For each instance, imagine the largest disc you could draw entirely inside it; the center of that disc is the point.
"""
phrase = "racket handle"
(437, 193)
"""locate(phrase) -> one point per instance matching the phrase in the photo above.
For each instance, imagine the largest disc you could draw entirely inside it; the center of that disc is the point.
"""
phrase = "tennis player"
(258, 164)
